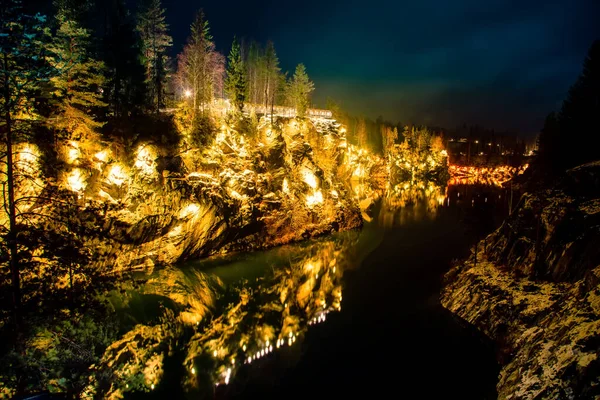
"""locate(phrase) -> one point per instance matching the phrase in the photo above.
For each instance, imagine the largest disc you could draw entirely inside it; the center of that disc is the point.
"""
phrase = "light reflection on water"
(228, 312)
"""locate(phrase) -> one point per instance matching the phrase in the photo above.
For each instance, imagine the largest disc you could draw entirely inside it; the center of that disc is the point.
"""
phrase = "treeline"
(96, 71)
(381, 136)
(130, 49)
(565, 140)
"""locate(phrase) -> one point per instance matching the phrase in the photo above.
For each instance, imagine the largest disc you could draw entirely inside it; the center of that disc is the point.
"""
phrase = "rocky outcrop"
(533, 287)
(247, 190)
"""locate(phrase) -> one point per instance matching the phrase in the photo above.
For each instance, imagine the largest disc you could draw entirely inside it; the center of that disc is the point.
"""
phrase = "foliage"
(236, 83)
(300, 89)
(57, 353)
(421, 156)
(263, 74)
(200, 67)
(77, 82)
(125, 91)
(579, 114)
(155, 42)
(23, 40)
(562, 141)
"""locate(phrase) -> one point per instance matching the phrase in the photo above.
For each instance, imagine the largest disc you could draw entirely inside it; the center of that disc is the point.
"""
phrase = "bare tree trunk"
(12, 216)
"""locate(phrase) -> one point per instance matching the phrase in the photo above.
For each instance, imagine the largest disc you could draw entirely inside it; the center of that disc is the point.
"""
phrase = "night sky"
(502, 64)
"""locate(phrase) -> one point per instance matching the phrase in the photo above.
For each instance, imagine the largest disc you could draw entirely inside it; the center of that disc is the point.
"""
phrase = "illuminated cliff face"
(251, 186)
(218, 328)
(493, 176)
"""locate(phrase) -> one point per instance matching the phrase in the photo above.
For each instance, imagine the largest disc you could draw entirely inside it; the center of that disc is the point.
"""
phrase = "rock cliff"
(532, 286)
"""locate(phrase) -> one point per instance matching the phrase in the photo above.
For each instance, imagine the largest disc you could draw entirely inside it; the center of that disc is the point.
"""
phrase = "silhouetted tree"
(549, 143)
(155, 42)
(125, 90)
(579, 118)
(23, 41)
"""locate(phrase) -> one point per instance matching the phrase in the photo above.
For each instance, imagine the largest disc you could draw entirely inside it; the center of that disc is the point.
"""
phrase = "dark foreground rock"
(533, 288)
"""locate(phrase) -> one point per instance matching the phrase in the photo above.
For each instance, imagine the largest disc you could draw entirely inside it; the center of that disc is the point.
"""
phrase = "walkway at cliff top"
(223, 107)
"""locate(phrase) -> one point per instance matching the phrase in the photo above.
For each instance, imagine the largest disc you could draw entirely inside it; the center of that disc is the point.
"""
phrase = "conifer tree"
(579, 116)
(200, 67)
(125, 89)
(272, 70)
(300, 89)
(253, 59)
(78, 80)
(235, 83)
(155, 42)
(23, 40)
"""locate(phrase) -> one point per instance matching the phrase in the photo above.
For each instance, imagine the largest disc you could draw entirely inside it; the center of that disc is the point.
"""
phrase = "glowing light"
(286, 186)
(233, 361)
(314, 199)
(244, 347)
(75, 181)
(116, 175)
(193, 371)
(28, 154)
(215, 353)
(144, 160)
(190, 209)
(73, 153)
(152, 386)
(102, 155)
(310, 178)
(289, 342)
(187, 93)
(342, 130)
(445, 153)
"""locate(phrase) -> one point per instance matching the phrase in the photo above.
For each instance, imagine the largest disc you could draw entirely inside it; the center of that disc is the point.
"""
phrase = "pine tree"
(235, 83)
(23, 40)
(389, 135)
(579, 117)
(300, 89)
(155, 42)
(253, 59)
(125, 89)
(77, 84)
(200, 67)
(549, 147)
(272, 70)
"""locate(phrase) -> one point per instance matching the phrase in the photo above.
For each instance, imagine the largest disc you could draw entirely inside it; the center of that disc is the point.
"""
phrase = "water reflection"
(400, 203)
(214, 327)
(194, 327)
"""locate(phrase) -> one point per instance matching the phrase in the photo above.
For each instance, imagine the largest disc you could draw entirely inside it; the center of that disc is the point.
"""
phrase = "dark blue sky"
(502, 64)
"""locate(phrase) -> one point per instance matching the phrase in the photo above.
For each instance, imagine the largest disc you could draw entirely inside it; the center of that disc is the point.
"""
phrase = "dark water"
(356, 314)
(392, 337)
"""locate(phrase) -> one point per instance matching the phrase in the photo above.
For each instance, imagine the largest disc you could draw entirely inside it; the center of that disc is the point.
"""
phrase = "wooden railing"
(223, 106)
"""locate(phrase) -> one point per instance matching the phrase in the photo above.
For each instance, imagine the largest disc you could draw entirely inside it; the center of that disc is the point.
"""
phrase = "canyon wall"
(532, 286)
